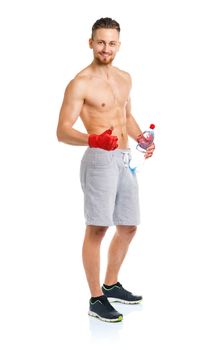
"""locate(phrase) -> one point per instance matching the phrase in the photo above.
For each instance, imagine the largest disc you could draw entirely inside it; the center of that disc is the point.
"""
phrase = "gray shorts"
(110, 188)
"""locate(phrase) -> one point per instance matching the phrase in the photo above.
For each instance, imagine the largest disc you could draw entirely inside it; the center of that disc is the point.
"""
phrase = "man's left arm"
(133, 129)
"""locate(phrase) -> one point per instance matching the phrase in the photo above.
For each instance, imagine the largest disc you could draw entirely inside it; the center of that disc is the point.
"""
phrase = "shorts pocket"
(101, 160)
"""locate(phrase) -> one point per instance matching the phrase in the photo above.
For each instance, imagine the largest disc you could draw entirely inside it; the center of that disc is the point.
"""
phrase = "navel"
(103, 104)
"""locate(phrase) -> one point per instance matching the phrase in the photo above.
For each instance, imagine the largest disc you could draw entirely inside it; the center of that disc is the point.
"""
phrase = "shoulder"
(125, 75)
(78, 84)
(79, 81)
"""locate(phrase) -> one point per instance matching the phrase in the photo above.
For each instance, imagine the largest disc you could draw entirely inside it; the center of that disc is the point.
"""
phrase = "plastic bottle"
(144, 141)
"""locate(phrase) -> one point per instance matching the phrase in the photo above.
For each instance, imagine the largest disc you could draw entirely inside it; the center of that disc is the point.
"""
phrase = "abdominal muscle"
(97, 124)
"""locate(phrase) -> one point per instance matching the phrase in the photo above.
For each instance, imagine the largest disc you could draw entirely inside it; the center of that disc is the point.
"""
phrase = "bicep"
(72, 104)
(128, 108)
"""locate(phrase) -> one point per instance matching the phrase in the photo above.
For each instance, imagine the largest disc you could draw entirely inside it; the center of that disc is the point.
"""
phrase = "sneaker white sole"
(93, 314)
(116, 300)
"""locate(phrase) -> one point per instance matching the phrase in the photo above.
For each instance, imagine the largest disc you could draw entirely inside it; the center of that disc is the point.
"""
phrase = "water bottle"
(144, 141)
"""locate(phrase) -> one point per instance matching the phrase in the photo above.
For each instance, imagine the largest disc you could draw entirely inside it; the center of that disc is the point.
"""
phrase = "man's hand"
(105, 141)
(149, 151)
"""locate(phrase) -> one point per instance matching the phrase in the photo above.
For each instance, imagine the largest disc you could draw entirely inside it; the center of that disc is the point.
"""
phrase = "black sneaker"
(103, 310)
(118, 293)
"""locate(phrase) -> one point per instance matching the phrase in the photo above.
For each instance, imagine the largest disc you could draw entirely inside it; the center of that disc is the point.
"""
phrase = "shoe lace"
(107, 304)
(125, 291)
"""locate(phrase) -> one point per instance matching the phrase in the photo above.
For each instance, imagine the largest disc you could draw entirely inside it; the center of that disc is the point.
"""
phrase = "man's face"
(105, 45)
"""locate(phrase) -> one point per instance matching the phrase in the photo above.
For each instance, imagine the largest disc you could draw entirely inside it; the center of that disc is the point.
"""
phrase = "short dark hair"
(105, 22)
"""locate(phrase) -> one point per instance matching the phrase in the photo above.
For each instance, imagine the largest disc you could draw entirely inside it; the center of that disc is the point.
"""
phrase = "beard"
(104, 60)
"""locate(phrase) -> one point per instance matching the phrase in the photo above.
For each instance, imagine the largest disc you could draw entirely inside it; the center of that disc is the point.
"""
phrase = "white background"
(169, 47)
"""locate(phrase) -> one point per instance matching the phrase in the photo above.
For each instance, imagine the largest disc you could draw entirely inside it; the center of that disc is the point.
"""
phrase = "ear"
(119, 44)
(90, 43)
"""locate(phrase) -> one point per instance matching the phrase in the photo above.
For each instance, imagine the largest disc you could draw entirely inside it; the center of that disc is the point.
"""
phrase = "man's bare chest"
(107, 94)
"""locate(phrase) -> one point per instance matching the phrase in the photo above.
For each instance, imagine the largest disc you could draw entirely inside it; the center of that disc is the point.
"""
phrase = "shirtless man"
(100, 95)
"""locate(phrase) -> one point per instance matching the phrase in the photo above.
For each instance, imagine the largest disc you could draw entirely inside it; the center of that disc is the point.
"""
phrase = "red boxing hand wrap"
(105, 140)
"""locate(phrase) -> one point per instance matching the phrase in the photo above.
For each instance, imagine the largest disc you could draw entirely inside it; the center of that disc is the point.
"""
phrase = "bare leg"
(117, 251)
(91, 257)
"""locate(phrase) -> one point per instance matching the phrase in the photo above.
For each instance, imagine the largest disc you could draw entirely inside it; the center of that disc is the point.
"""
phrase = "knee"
(131, 231)
(127, 232)
(96, 232)
(100, 230)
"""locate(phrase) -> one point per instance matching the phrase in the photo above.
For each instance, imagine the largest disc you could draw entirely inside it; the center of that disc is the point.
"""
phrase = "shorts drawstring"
(126, 159)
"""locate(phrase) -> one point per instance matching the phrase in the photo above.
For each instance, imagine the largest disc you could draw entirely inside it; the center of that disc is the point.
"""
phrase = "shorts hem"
(126, 224)
(112, 224)
(98, 224)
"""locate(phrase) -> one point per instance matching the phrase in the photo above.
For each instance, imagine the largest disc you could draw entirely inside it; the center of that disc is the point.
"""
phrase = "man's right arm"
(71, 107)
(70, 110)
